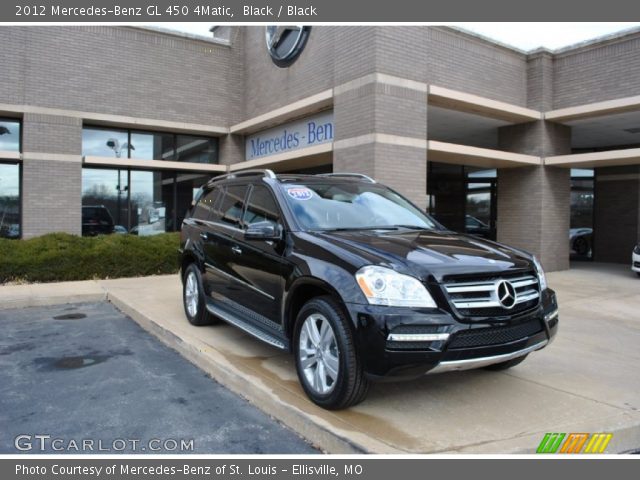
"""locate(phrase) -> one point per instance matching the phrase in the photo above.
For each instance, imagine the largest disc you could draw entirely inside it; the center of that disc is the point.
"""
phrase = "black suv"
(357, 282)
(96, 220)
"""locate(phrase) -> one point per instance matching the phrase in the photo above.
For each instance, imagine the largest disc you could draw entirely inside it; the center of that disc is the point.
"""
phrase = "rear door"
(219, 243)
(199, 225)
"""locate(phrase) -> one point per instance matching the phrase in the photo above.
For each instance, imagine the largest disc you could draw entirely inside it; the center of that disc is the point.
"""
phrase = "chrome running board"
(247, 327)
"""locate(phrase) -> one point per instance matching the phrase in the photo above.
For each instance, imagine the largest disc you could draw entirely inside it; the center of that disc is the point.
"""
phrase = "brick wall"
(122, 71)
(534, 202)
(51, 134)
(597, 72)
(463, 62)
(51, 197)
(51, 189)
(268, 87)
(533, 212)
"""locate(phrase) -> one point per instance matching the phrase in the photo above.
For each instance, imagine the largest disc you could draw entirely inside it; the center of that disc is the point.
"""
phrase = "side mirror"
(263, 231)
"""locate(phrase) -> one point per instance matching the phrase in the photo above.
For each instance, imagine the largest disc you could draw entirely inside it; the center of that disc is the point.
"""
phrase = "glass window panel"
(99, 142)
(230, 209)
(152, 202)
(582, 172)
(9, 135)
(152, 146)
(190, 148)
(261, 207)
(105, 195)
(9, 201)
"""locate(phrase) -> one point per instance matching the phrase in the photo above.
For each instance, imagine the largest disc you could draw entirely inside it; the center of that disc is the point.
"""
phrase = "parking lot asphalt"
(87, 374)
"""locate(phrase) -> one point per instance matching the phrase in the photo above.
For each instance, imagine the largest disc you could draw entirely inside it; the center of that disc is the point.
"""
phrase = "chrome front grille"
(481, 298)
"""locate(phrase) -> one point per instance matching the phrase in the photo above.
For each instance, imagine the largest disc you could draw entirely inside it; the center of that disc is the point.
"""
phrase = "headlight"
(383, 286)
(637, 249)
(541, 275)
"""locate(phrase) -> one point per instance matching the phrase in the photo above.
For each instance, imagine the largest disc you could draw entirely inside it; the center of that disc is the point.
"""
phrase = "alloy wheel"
(318, 354)
(191, 294)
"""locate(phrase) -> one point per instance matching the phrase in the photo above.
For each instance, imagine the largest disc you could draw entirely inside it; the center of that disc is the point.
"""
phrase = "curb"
(39, 300)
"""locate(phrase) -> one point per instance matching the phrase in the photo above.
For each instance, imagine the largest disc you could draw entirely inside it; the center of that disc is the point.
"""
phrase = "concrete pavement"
(585, 381)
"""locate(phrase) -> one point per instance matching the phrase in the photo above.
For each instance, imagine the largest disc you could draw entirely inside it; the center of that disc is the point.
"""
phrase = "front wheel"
(193, 298)
(327, 363)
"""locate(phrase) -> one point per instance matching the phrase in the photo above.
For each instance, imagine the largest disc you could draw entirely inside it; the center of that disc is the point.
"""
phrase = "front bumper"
(437, 341)
(635, 262)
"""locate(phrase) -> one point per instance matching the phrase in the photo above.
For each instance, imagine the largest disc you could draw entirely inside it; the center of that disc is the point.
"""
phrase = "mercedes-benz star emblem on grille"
(506, 294)
(286, 42)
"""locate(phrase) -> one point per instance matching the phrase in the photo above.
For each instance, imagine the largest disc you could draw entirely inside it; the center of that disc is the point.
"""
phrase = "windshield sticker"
(300, 193)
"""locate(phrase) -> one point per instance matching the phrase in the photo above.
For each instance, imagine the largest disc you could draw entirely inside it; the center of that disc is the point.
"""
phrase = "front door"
(258, 264)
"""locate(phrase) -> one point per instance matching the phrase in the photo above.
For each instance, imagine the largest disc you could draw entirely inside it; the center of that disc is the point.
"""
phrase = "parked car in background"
(119, 229)
(357, 282)
(96, 220)
(580, 241)
(635, 260)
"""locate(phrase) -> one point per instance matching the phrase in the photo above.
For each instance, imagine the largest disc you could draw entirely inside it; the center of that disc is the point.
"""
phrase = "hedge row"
(60, 257)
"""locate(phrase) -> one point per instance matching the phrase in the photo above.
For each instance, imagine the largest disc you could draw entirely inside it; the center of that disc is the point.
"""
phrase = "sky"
(522, 35)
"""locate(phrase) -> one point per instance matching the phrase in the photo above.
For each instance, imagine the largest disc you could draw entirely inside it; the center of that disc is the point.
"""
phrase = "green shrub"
(60, 257)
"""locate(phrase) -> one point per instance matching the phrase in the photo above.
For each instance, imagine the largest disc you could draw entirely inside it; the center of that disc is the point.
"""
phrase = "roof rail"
(246, 173)
(346, 174)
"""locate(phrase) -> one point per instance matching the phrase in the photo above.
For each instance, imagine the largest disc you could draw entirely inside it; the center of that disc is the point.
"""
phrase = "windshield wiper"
(414, 227)
(353, 229)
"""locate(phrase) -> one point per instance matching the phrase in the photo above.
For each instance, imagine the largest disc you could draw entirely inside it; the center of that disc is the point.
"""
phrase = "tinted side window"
(230, 210)
(205, 205)
(261, 207)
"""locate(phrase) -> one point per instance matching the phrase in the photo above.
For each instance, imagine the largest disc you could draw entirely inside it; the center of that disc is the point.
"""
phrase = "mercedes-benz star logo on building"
(286, 42)
(506, 294)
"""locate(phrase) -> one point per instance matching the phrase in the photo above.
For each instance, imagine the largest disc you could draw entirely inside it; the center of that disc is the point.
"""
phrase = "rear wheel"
(506, 365)
(581, 246)
(193, 298)
(327, 363)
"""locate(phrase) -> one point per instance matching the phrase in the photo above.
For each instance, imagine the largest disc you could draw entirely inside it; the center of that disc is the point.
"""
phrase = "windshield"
(352, 206)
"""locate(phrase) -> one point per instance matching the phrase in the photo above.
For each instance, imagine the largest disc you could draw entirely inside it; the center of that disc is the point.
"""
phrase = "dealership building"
(522, 147)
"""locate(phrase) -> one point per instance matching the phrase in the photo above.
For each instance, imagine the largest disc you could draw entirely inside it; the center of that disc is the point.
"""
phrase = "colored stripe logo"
(574, 443)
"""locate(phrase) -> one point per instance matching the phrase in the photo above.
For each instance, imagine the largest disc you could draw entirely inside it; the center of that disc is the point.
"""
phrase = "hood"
(430, 255)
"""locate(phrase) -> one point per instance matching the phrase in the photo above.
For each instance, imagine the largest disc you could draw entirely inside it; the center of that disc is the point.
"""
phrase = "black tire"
(351, 386)
(638, 273)
(581, 246)
(201, 316)
(496, 367)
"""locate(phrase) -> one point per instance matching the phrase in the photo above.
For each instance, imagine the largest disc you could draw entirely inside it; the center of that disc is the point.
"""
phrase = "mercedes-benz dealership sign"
(296, 135)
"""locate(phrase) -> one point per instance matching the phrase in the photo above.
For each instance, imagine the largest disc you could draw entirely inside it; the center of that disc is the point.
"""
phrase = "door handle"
(204, 236)
(236, 250)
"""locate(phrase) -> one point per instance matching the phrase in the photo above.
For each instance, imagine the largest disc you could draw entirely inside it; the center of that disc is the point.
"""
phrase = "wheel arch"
(303, 290)
(189, 257)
